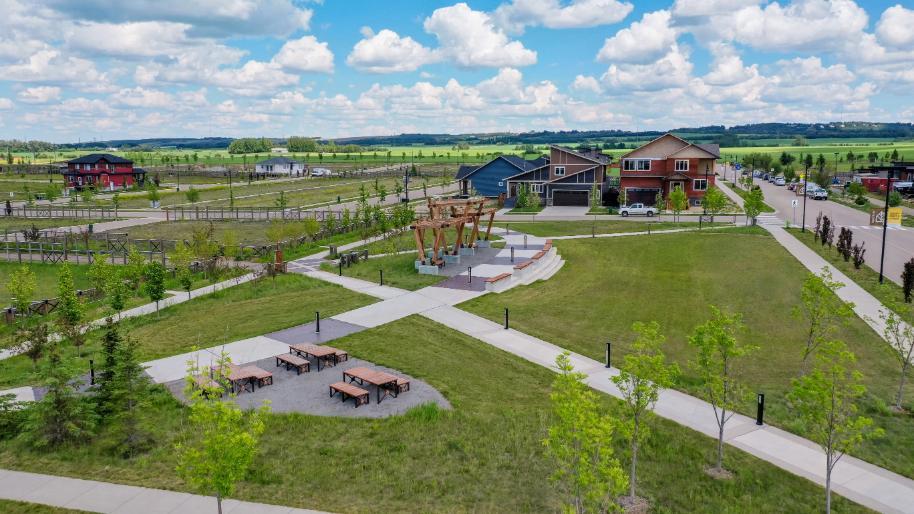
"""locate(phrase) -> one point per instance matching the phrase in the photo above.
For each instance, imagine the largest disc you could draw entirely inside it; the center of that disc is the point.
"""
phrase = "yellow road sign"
(894, 216)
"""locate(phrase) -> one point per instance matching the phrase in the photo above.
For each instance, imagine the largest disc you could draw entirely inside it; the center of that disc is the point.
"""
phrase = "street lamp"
(836, 164)
(805, 194)
(885, 220)
(705, 204)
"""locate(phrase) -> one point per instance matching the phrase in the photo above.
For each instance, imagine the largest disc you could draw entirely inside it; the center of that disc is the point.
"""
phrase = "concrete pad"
(330, 329)
(16, 485)
(104, 499)
(459, 283)
(428, 270)
(488, 270)
(389, 310)
(57, 491)
(447, 295)
(21, 394)
(518, 253)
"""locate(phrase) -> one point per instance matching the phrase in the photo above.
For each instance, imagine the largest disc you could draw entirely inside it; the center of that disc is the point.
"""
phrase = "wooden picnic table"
(249, 375)
(327, 355)
(389, 384)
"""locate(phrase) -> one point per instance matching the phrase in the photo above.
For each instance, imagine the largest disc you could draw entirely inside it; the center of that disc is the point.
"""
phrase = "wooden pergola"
(446, 214)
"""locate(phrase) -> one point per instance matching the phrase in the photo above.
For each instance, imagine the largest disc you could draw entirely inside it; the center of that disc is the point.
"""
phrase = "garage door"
(564, 198)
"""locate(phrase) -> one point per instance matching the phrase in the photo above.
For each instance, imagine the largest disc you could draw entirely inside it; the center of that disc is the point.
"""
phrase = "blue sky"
(104, 69)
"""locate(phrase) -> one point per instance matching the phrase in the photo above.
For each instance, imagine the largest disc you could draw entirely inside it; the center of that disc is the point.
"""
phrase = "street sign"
(738, 166)
(876, 216)
(794, 202)
(894, 215)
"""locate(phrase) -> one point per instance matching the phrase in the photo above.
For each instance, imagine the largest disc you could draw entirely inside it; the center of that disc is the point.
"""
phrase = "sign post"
(794, 204)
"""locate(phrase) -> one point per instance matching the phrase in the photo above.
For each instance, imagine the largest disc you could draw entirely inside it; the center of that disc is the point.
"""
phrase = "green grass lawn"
(744, 194)
(15, 224)
(399, 271)
(247, 232)
(14, 507)
(576, 228)
(888, 292)
(483, 455)
(247, 310)
(672, 279)
(527, 210)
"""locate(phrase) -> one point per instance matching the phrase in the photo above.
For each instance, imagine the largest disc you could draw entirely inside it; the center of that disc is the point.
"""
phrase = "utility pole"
(885, 221)
(805, 194)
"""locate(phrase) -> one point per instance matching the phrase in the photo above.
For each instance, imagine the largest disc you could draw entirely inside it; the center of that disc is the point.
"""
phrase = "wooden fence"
(56, 211)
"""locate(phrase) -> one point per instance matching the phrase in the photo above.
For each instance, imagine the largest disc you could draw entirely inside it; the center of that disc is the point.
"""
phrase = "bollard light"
(317, 319)
(760, 413)
(525, 241)
(341, 266)
(506, 318)
(469, 274)
(512, 255)
(381, 272)
(91, 372)
(609, 353)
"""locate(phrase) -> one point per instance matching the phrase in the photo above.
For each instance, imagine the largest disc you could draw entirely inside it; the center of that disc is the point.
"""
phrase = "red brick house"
(664, 164)
(103, 171)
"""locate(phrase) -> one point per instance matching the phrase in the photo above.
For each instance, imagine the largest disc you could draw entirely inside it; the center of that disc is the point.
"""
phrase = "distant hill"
(740, 135)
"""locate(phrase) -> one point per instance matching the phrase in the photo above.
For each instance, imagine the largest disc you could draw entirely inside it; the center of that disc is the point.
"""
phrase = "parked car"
(637, 209)
(765, 176)
(792, 186)
(780, 181)
(816, 192)
(320, 172)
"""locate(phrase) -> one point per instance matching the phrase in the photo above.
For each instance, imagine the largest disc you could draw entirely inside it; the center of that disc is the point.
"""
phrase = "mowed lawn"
(577, 228)
(247, 310)
(607, 284)
(14, 507)
(399, 271)
(483, 455)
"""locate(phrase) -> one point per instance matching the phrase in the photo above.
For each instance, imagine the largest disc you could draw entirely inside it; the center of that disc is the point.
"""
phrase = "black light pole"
(836, 166)
(406, 185)
(705, 204)
(885, 221)
(805, 193)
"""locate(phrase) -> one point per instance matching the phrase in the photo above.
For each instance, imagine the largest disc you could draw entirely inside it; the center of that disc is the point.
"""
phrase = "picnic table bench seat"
(323, 354)
(346, 390)
(388, 384)
(207, 385)
(290, 361)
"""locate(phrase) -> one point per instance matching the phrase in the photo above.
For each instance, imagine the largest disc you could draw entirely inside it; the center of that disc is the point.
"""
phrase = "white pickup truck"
(637, 209)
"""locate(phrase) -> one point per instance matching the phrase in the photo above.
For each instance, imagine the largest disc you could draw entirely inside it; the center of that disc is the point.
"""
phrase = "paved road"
(899, 243)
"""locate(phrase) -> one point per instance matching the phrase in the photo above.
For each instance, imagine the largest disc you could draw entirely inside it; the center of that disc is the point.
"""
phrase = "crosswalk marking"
(873, 227)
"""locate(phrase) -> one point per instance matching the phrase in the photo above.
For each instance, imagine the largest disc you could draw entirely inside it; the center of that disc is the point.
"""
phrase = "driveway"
(561, 212)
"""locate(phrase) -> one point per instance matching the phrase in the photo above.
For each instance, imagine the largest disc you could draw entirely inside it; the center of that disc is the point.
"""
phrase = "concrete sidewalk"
(107, 498)
(869, 485)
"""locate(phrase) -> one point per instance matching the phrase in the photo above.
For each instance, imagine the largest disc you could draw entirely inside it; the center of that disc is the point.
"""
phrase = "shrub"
(894, 199)
(858, 253)
(907, 280)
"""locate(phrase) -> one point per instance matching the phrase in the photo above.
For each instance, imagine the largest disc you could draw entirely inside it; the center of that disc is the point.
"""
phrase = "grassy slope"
(14, 507)
(16, 224)
(399, 271)
(243, 311)
(608, 284)
(484, 455)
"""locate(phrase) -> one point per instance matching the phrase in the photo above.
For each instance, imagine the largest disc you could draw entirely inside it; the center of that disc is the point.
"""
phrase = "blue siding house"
(489, 179)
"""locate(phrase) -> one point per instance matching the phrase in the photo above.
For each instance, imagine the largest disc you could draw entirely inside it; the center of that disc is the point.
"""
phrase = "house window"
(700, 184)
(682, 165)
(537, 188)
(636, 165)
(501, 183)
(559, 171)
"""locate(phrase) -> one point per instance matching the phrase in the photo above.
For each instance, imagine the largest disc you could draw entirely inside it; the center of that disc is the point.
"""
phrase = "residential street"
(899, 246)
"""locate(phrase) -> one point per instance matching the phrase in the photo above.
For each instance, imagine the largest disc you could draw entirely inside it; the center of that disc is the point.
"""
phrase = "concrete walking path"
(108, 498)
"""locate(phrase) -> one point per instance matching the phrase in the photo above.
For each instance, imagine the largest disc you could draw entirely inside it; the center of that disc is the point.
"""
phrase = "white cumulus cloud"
(518, 14)
(39, 95)
(896, 27)
(643, 41)
(388, 52)
(471, 39)
(305, 54)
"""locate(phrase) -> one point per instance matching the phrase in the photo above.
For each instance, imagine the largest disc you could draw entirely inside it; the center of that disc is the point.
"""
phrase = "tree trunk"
(828, 490)
(219, 504)
(898, 396)
(631, 473)
(720, 441)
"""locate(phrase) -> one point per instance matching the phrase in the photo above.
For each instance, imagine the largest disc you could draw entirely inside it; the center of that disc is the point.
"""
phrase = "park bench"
(248, 377)
(207, 385)
(496, 278)
(347, 391)
(293, 361)
(324, 355)
(523, 265)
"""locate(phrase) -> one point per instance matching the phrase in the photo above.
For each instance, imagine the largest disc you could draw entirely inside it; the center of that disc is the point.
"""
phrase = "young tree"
(155, 282)
(825, 401)
(61, 416)
(193, 195)
(70, 309)
(907, 280)
(643, 374)
(678, 202)
(845, 242)
(822, 310)
(116, 289)
(130, 387)
(222, 440)
(753, 204)
(32, 341)
(100, 273)
(717, 366)
(281, 202)
(181, 259)
(900, 336)
(135, 267)
(858, 252)
(714, 201)
(580, 442)
(21, 286)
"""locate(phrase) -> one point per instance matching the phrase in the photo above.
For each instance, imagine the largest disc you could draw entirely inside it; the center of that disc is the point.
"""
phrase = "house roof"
(596, 157)
(519, 162)
(531, 170)
(563, 177)
(93, 158)
(465, 170)
(711, 149)
(279, 160)
(539, 162)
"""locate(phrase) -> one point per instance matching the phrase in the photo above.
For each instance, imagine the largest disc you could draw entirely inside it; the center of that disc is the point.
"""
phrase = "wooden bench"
(538, 255)
(293, 361)
(498, 277)
(523, 265)
(350, 391)
(208, 385)
(548, 245)
(341, 356)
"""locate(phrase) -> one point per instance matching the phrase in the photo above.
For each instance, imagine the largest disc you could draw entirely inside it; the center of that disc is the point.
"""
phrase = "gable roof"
(712, 149)
(519, 162)
(93, 158)
(563, 177)
(279, 160)
(596, 157)
(540, 161)
(531, 170)
(464, 171)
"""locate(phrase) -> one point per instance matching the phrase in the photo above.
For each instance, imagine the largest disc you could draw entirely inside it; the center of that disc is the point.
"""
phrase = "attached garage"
(570, 198)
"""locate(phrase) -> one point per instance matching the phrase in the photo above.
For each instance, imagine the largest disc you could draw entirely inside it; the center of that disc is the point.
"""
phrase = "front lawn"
(745, 194)
(483, 455)
(672, 279)
(576, 228)
(14, 507)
